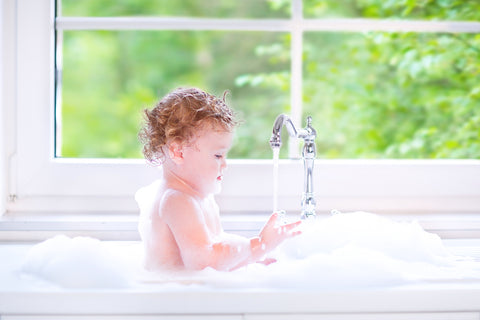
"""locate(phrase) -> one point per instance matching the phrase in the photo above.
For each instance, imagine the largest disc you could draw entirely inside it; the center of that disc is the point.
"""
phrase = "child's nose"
(223, 164)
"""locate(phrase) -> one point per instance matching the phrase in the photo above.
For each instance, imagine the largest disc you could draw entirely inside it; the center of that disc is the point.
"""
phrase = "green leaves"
(371, 95)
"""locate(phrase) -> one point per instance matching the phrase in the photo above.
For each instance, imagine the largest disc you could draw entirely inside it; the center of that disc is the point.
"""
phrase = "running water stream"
(276, 152)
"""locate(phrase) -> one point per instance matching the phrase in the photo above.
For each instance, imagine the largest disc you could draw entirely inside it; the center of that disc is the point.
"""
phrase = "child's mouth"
(220, 178)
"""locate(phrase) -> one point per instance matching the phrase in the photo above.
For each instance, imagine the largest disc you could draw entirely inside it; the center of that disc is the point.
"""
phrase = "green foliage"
(394, 95)
(110, 77)
(371, 95)
(398, 96)
(404, 9)
(187, 8)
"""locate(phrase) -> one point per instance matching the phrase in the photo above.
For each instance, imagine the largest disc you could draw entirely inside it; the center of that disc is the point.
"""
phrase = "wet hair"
(178, 116)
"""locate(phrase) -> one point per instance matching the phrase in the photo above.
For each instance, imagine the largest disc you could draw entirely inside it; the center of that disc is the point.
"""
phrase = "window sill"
(387, 186)
(24, 227)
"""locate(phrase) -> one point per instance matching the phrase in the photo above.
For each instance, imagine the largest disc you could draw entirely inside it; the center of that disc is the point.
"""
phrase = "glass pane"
(109, 77)
(408, 9)
(176, 8)
(394, 95)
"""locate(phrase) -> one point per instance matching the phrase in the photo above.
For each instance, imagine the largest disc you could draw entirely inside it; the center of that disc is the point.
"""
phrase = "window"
(115, 59)
(310, 57)
(418, 77)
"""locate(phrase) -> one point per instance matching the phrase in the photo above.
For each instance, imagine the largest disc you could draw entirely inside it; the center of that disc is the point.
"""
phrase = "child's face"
(205, 160)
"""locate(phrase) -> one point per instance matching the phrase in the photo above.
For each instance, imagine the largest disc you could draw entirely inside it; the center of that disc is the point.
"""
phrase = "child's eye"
(218, 156)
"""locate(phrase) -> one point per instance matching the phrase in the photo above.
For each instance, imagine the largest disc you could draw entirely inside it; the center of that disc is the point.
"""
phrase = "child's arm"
(270, 237)
(198, 246)
(200, 249)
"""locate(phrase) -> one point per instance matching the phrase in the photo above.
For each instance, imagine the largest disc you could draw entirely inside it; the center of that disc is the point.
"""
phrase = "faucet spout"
(281, 121)
(308, 134)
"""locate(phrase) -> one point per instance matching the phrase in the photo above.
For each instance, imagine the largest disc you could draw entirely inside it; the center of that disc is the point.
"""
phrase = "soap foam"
(351, 250)
(405, 241)
(79, 262)
(364, 249)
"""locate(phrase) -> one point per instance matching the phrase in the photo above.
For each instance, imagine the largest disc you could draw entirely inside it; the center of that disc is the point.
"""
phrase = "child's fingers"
(296, 233)
(292, 225)
(292, 234)
(273, 218)
(288, 227)
(284, 234)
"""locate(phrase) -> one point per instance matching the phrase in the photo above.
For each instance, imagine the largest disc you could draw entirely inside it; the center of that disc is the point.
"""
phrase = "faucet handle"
(308, 134)
(312, 133)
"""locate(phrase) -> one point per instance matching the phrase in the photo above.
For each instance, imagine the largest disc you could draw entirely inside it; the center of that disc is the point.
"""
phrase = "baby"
(189, 133)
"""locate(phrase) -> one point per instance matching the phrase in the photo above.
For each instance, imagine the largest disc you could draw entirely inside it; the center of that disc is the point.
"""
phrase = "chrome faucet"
(308, 135)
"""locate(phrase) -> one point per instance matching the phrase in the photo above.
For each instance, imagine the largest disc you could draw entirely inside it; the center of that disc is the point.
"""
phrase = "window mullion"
(363, 25)
(296, 53)
(160, 23)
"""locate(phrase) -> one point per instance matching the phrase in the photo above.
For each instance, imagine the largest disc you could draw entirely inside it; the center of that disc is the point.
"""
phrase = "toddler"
(189, 133)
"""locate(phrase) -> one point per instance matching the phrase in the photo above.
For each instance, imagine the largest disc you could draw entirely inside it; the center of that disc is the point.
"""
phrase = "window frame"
(36, 181)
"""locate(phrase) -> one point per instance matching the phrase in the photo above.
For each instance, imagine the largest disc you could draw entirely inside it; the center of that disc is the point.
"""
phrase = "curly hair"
(178, 116)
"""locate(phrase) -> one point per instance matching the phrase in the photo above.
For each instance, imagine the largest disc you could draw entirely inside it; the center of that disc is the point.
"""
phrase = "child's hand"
(267, 261)
(272, 235)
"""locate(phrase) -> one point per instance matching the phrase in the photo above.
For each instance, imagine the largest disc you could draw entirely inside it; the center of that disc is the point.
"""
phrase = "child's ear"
(175, 151)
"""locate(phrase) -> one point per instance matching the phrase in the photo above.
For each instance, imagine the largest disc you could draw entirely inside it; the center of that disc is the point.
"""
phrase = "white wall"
(2, 126)
(7, 96)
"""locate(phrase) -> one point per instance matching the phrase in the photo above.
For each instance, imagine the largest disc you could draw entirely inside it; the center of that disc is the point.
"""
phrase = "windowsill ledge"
(123, 226)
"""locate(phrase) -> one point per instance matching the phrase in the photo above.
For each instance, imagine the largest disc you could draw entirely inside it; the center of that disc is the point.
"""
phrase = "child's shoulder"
(172, 195)
(176, 204)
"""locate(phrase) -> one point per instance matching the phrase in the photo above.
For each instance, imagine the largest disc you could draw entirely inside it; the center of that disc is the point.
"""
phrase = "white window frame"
(35, 181)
